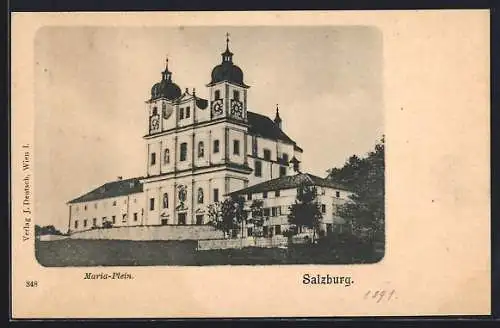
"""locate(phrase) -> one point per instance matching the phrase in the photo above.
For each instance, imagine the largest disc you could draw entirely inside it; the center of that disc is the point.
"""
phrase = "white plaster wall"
(104, 209)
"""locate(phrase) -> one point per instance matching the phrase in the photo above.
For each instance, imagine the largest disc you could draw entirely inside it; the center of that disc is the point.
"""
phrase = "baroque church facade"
(198, 152)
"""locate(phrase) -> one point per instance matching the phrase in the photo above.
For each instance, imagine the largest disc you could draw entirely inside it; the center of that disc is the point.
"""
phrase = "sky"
(91, 84)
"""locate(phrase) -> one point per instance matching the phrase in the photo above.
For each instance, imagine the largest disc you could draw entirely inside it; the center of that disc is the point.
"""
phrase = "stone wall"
(276, 241)
(51, 237)
(151, 233)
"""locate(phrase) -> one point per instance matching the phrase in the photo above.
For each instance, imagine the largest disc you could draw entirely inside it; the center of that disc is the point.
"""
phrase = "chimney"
(120, 178)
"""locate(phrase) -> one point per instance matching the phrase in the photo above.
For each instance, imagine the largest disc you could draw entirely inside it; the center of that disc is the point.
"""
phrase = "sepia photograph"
(213, 146)
(250, 164)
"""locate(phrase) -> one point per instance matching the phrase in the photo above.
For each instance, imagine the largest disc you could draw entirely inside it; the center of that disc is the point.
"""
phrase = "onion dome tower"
(165, 88)
(227, 70)
(228, 91)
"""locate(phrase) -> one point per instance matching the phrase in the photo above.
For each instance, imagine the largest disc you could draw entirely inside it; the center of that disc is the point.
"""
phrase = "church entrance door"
(182, 219)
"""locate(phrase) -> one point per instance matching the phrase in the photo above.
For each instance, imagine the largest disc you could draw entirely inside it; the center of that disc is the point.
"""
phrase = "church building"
(198, 151)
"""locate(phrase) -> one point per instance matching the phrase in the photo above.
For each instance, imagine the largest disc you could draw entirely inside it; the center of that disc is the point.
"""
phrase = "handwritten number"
(380, 295)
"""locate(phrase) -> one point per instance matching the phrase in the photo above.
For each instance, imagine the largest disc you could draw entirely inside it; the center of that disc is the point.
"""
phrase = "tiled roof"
(289, 182)
(263, 126)
(111, 189)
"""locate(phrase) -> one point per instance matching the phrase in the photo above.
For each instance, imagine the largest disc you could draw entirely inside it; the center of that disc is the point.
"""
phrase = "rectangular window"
(216, 195)
(217, 94)
(249, 196)
(254, 146)
(236, 95)
(183, 151)
(282, 171)
(113, 219)
(236, 147)
(267, 211)
(216, 146)
(337, 194)
(265, 231)
(258, 168)
(267, 154)
(114, 203)
(323, 208)
(124, 218)
(85, 223)
(188, 112)
(85, 207)
(273, 211)
(151, 204)
(277, 230)
(181, 113)
(264, 194)
(76, 224)
(153, 159)
(249, 231)
(94, 221)
(103, 220)
(284, 158)
(135, 217)
(277, 193)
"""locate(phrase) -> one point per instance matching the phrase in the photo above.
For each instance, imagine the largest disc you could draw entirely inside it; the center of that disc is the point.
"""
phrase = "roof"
(265, 127)
(289, 182)
(111, 189)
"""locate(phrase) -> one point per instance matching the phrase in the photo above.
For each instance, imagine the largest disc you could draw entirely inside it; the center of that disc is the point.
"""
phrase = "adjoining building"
(278, 194)
(197, 152)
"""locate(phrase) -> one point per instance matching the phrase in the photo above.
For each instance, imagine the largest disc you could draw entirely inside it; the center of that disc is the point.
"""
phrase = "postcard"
(250, 164)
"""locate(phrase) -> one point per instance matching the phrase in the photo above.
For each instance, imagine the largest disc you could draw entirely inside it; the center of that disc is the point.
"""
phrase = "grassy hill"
(79, 252)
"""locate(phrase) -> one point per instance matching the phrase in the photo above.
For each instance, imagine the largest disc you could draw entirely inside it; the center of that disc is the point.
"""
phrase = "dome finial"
(227, 55)
(277, 118)
(166, 74)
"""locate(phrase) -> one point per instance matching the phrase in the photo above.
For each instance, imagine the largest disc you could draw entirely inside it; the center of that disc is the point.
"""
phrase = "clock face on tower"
(217, 107)
(155, 122)
(237, 109)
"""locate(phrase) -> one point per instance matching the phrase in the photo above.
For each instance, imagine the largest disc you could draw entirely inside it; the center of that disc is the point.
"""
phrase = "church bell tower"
(228, 92)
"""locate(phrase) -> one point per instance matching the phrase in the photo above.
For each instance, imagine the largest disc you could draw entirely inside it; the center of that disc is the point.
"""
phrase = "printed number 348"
(380, 295)
(31, 283)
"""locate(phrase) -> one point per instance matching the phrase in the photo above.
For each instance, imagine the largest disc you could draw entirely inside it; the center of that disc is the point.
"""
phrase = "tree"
(46, 230)
(366, 178)
(306, 211)
(215, 216)
(228, 215)
(257, 210)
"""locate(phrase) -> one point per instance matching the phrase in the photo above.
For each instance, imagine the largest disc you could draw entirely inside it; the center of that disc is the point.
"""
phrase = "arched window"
(200, 196)
(166, 156)
(165, 200)
(201, 149)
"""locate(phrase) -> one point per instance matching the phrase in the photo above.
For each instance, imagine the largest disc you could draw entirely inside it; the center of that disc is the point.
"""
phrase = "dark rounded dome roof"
(227, 71)
(165, 89)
